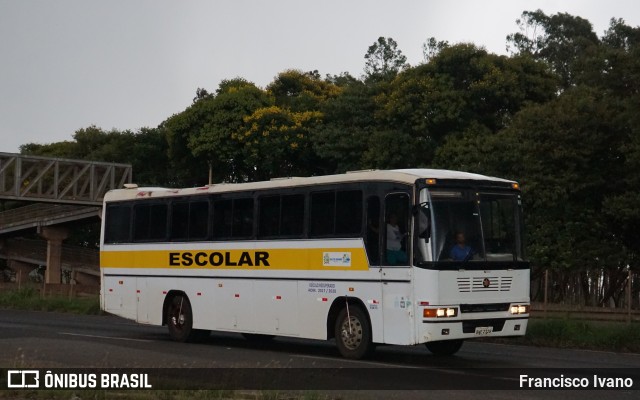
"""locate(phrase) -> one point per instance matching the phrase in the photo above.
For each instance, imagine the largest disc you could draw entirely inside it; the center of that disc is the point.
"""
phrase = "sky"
(127, 64)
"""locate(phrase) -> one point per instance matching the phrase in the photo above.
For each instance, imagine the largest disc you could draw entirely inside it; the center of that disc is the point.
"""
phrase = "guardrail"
(557, 311)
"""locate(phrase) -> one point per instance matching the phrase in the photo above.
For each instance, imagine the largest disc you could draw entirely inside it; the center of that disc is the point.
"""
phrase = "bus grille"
(484, 284)
(486, 307)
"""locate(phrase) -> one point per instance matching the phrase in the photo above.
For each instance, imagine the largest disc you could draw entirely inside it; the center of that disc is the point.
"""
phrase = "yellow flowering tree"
(276, 142)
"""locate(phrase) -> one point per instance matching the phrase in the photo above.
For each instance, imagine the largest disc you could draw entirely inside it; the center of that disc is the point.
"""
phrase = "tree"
(459, 89)
(620, 73)
(383, 59)
(301, 91)
(564, 41)
(64, 149)
(186, 168)
(276, 143)
(145, 150)
(148, 154)
(212, 136)
(343, 137)
(432, 48)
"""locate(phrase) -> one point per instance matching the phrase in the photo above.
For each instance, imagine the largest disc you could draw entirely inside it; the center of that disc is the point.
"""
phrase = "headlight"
(519, 309)
(442, 312)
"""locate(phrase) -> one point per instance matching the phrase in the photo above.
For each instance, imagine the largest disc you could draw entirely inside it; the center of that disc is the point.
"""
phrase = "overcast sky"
(126, 64)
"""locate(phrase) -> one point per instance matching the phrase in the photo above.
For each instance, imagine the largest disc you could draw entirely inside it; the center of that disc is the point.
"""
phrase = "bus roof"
(406, 176)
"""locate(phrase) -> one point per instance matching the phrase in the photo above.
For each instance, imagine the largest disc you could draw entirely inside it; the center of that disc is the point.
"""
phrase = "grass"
(579, 334)
(30, 299)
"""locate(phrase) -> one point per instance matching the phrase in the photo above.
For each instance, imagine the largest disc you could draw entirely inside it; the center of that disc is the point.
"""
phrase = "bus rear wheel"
(353, 333)
(444, 347)
(180, 321)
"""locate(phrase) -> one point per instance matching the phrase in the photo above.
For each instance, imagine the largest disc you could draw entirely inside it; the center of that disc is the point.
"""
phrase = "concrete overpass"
(63, 190)
(41, 215)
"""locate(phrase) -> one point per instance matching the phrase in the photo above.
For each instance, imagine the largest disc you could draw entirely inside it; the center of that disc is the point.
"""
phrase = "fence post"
(629, 298)
(546, 281)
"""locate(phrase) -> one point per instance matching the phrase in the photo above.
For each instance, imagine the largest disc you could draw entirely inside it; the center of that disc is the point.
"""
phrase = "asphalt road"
(53, 340)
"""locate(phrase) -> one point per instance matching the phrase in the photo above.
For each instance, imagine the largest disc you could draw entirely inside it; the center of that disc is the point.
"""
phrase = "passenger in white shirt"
(395, 255)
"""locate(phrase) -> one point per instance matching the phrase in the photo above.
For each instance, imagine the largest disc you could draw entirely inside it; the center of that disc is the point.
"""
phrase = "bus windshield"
(469, 226)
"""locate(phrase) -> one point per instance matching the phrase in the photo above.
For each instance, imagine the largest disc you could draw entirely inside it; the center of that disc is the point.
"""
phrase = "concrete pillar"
(55, 236)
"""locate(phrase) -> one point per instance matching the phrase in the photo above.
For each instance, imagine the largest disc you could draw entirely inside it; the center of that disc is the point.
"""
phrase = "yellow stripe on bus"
(351, 259)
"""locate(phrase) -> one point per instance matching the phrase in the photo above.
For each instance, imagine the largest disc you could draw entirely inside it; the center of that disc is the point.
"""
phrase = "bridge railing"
(59, 180)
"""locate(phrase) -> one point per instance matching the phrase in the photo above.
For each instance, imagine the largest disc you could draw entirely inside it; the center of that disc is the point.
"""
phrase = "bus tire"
(257, 337)
(180, 321)
(353, 335)
(444, 347)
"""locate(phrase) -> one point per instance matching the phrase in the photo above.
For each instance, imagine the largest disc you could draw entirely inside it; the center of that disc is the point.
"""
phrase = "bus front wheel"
(180, 321)
(353, 333)
(444, 347)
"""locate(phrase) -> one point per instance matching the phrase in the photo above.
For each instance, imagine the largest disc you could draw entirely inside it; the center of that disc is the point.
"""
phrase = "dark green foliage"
(564, 41)
(146, 150)
(612, 336)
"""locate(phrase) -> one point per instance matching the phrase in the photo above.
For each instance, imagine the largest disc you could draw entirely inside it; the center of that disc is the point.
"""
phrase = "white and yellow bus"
(396, 257)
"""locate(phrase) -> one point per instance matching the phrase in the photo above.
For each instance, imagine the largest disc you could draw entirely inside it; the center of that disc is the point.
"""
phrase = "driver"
(461, 251)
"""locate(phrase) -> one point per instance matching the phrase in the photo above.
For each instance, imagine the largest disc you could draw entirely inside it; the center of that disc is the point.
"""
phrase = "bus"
(399, 257)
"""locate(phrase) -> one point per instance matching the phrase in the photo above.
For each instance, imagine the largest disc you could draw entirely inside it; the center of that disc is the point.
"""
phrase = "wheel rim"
(351, 335)
(177, 317)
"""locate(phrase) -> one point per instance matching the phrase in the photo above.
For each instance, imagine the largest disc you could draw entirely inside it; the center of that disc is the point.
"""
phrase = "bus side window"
(292, 216)
(118, 224)
(348, 212)
(242, 218)
(149, 222)
(198, 220)
(269, 221)
(180, 220)
(373, 230)
(322, 218)
(397, 208)
(222, 222)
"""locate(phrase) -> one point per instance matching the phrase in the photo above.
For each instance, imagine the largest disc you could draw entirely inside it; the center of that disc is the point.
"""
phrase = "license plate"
(484, 330)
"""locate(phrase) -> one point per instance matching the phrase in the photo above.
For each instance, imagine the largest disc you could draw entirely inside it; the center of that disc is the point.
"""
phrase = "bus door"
(142, 300)
(395, 270)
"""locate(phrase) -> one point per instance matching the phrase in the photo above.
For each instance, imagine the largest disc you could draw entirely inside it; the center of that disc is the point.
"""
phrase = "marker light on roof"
(430, 181)
(515, 185)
